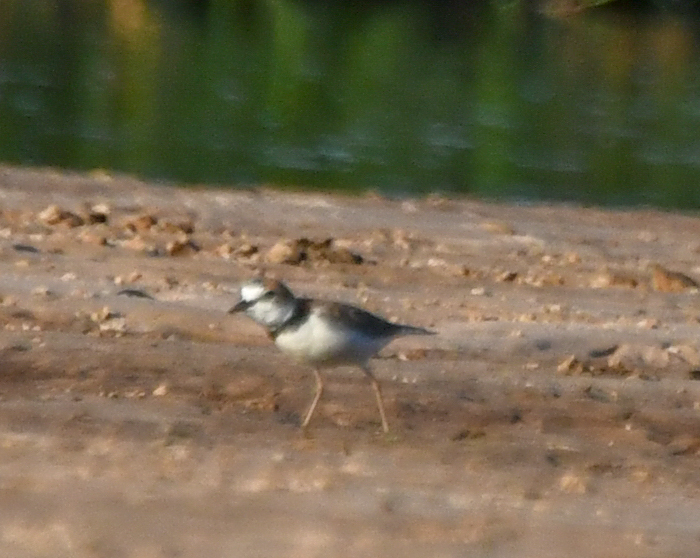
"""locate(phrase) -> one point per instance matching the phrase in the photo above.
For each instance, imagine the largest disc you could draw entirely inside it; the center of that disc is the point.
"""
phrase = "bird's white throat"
(271, 313)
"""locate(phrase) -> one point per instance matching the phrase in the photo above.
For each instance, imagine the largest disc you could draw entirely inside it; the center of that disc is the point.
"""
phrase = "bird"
(320, 333)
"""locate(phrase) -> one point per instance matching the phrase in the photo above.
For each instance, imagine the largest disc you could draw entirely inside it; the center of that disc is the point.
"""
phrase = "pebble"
(161, 390)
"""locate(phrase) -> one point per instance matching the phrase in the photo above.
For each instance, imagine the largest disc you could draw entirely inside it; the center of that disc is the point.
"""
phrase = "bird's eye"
(267, 296)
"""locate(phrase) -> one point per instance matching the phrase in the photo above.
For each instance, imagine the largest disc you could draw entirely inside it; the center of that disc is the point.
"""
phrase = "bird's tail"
(413, 330)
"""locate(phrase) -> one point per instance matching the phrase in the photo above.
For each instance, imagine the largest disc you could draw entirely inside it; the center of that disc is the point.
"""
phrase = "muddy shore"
(555, 414)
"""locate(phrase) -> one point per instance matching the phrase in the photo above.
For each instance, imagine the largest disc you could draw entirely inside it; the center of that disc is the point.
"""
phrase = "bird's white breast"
(319, 341)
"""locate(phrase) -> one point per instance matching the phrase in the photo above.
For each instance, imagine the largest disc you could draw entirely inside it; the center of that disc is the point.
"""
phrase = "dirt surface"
(555, 414)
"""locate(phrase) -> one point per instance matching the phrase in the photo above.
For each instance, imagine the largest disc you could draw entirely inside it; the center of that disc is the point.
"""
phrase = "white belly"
(317, 343)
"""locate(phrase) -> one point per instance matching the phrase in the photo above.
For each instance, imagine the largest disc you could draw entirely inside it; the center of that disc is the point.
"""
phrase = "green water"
(480, 98)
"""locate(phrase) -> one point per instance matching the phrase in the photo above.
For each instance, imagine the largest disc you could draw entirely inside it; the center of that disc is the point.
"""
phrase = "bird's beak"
(240, 307)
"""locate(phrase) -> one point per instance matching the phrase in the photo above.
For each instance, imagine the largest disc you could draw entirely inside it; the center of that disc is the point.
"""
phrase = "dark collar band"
(295, 319)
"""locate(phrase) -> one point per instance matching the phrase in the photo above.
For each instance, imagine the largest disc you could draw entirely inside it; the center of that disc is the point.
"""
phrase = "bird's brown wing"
(357, 318)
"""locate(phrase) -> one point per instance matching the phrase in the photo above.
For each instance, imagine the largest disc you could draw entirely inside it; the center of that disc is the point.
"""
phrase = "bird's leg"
(319, 391)
(378, 393)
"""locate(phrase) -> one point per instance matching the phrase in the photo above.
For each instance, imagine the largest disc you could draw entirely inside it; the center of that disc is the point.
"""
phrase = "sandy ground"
(555, 414)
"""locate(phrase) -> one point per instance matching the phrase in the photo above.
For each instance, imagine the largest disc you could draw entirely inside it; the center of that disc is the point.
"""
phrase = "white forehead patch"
(252, 291)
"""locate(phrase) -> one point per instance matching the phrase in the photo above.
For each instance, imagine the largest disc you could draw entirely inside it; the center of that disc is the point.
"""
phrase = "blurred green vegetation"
(491, 98)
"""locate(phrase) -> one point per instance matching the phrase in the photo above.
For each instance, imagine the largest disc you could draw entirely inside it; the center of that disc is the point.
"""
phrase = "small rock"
(640, 475)
(95, 214)
(246, 250)
(114, 324)
(401, 239)
(507, 277)
(102, 314)
(161, 390)
(570, 364)
(72, 220)
(609, 278)
(633, 357)
(498, 227)
(138, 244)
(573, 483)
(225, 250)
(687, 352)
(51, 215)
(413, 354)
(342, 255)
(41, 291)
(54, 215)
(141, 223)
(684, 444)
(648, 323)
(90, 237)
(296, 251)
(436, 262)
(667, 281)
(284, 252)
(548, 279)
(176, 227)
(572, 257)
(181, 247)
(102, 208)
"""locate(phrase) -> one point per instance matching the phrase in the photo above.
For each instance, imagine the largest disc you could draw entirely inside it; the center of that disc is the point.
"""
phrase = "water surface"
(403, 97)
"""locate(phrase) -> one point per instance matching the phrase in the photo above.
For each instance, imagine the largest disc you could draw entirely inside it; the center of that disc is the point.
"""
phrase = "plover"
(322, 334)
